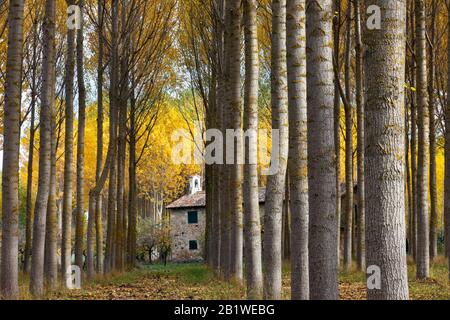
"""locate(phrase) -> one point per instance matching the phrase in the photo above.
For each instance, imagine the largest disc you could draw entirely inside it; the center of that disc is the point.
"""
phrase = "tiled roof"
(198, 200)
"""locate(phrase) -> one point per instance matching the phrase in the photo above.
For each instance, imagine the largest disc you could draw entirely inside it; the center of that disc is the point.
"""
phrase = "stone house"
(188, 221)
(188, 224)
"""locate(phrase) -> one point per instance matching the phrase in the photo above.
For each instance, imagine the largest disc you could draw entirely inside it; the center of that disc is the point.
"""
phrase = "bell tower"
(195, 184)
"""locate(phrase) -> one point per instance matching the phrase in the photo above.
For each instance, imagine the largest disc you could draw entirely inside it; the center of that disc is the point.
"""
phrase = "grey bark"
(132, 209)
(51, 229)
(79, 226)
(112, 190)
(361, 229)
(337, 123)
(121, 153)
(298, 148)
(423, 247)
(47, 105)
(11, 146)
(348, 227)
(447, 166)
(252, 220)
(90, 240)
(29, 204)
(235, 109)
(434, 214)
(272, 260)
(225, 252)
(385, 147)
(66, 242)
(100, 117)
(414, 139)
(323, 264)
(217, 222)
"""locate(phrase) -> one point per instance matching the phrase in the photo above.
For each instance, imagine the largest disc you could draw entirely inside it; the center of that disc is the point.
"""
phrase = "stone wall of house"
(183, 232)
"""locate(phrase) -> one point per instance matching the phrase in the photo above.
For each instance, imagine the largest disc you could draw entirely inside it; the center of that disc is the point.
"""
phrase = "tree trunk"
(286, 223)
(298, 148)
(385, 147)
(132, 211)
(447, 165)
(348, 228)
(90, 239)
(47, 104)
(98, 201)
(337, 124)
(29, 201)
(434, 214)
(66, 242)
(11, 147)
(323, 264)
(276, 182)
(361, 228)
(235, 109)
(414, 140)
(112, 190)
(218, 223)
(121, 155)
(423, 247)
(79, 230)
(51, 229)
(252, 220)
(225, 250)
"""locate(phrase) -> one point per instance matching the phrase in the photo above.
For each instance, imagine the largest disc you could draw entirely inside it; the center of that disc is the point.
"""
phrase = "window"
(192, 217)
(193, 245)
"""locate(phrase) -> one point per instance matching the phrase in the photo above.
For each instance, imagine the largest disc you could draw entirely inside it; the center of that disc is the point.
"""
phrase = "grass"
(197, 282)
(158, 282)
(437, 287)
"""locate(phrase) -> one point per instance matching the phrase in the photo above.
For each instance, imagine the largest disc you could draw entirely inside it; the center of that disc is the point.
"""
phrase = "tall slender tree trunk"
(47, 105)
(11, 147)
(434, 214)
(414, 137)
(298, 148)
(408, 181)
(235, 109)
(423, 247)
(337, 123)
(121, 154)
(119, 238)
(51, 229)
(447, 164)
(385, 147)
(225, 250)
(217, 122)
(276, 182)
(348, 228)
(79, 230)
(90, 240)
(132, 210)
(29, 201)
(100, 117)
(252, 220)
(112, 188)
(217, 223)
(408, 135)
(361, 229)
(66, 242)
(323, 264)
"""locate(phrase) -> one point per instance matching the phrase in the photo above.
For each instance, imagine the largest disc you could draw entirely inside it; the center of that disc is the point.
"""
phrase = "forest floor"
(197, 282)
